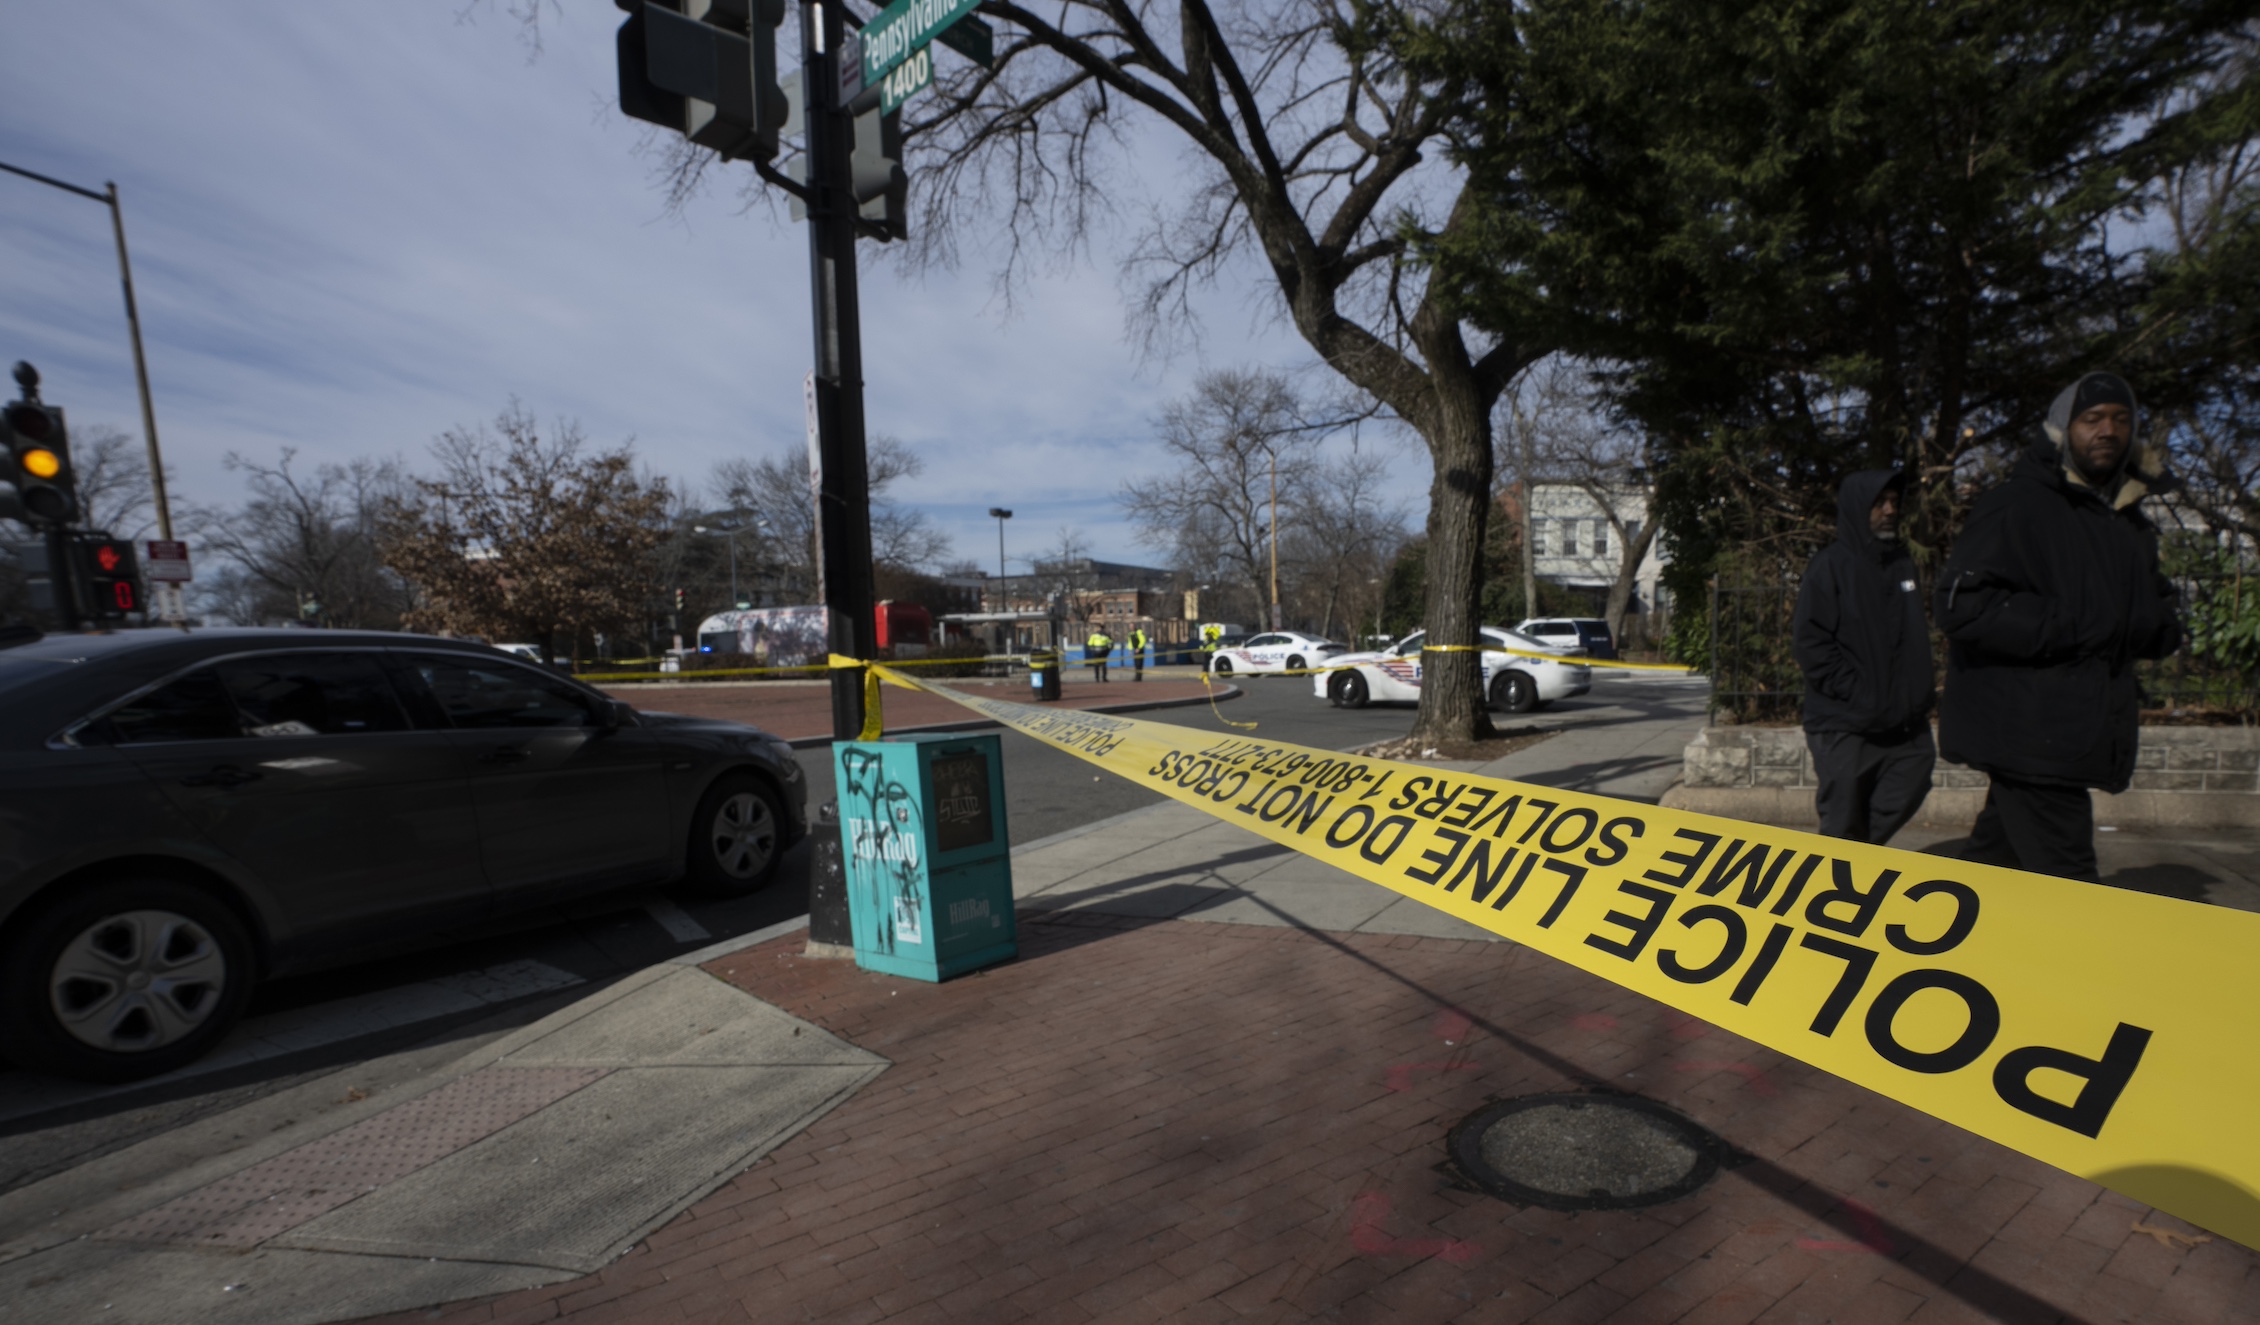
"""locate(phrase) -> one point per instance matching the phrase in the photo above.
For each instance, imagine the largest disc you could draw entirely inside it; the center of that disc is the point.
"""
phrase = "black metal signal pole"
(844, 502)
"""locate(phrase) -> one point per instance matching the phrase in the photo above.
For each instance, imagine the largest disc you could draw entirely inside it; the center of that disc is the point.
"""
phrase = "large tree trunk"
(1458, 433)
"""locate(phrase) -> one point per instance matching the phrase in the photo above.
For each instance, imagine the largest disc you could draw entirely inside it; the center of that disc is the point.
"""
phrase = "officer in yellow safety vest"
(1138, 654)
(1212, 635)
(1095, 650)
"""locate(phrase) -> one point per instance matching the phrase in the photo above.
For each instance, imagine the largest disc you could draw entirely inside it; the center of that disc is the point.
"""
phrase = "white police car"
(1277, 651)
(1511, 682)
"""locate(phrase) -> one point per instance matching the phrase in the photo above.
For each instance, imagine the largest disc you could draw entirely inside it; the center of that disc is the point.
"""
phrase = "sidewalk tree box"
(927, 857)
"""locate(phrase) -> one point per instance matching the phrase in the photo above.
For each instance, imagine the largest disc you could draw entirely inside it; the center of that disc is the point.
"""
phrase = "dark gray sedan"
(184, 814)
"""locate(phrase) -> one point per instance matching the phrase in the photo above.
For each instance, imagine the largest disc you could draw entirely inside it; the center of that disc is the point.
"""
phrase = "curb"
(975, 724)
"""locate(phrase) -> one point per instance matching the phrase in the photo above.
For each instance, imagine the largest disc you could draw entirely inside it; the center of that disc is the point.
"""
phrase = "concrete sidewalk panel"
(703, 1080)
(615, 1161)
(688, 1017)
(1406, 916)
(1157, 901)
(1313, 904)
(1219, 858)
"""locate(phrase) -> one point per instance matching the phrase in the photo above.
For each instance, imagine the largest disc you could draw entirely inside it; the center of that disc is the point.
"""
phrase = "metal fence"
(2213, 677)
(1754, 676)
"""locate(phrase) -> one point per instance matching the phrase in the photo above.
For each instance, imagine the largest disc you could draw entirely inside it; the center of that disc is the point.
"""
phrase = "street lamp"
(1000, 515)
(730, 532)
(133, 330)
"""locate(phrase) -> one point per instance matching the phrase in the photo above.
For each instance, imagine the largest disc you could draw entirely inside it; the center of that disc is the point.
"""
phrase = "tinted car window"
(481, 694)
(193, 708)
(1412, 645)
(311, 694)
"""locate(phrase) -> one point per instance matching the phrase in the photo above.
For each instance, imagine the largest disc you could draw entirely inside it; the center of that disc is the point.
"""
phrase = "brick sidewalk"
(1197, 1121)
(798, 710)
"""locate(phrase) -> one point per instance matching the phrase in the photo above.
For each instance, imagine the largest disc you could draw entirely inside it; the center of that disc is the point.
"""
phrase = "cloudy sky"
(354, 226)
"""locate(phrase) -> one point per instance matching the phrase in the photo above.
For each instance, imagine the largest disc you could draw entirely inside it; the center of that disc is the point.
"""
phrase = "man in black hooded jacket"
(1864, 647)
(2051, 595)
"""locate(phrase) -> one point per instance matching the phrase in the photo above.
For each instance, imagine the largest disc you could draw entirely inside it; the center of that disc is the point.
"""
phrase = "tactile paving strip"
(273, 1197)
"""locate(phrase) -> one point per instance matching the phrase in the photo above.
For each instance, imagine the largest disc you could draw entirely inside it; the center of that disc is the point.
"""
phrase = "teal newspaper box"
(928, 861)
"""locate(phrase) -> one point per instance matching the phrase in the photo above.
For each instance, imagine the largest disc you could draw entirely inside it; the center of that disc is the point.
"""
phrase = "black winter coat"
(1859, 634)
(2049, 598)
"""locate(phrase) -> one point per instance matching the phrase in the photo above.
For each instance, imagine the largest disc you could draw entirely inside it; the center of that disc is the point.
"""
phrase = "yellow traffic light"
(40, 462)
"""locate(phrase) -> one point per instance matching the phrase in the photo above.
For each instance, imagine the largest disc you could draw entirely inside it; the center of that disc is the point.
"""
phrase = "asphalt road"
(482, 982)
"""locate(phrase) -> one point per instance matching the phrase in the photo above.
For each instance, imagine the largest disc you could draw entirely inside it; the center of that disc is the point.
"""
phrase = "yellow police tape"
(2107, 1032)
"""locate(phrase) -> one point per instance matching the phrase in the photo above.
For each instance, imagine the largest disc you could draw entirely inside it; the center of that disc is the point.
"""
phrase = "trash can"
(927, 857)
(1043, 674)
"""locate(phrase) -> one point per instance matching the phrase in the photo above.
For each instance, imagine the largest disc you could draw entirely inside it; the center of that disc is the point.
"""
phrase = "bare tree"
(1343, 539)
(1313, 150)
(697, 564)
(112, 472)
(302, 546)
(1237, 439)
(1063, 573)
(526, 537)
(774, 493)
(1554, 433)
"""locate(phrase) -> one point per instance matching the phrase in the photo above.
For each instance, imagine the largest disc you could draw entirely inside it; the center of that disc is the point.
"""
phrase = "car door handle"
(505, 754)
(223, 775)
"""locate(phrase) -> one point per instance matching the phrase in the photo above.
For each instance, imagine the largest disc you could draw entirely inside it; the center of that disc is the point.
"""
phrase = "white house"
(1573, 544)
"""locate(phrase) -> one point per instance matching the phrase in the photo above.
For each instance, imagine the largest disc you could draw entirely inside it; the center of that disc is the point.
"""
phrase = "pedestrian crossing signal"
(111, 573)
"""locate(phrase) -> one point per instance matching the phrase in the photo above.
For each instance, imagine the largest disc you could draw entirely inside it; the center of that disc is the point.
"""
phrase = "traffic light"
(36, 486)
(875, 173)
(678, 600)
(882, 190)
(111, 573)
(706, 69)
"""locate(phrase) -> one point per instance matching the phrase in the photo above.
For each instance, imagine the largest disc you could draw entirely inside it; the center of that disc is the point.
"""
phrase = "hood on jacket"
(2142, 470)
(1855, 498)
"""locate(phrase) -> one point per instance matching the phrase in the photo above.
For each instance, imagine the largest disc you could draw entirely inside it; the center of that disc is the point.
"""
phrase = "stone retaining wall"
(2184, 776)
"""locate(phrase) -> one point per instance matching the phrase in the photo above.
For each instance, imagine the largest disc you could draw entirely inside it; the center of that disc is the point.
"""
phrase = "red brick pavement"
(1180, 1121)
(796, 711)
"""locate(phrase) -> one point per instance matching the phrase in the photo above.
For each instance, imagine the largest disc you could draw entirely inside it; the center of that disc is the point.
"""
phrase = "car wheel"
(1296, 664)
(737, 838)
(1221, 666)
(1513, 692)
(124, 980)
(1347, 691)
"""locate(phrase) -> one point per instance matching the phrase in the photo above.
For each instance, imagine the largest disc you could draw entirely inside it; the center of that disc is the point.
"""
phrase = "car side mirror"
(613, 714)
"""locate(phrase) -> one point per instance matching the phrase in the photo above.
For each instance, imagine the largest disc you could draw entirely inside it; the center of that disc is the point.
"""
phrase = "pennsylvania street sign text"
(903, 27)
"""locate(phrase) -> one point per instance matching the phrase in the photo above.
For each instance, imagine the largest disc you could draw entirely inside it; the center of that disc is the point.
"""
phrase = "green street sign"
(972, 38)
(904, 27)
(906, 80)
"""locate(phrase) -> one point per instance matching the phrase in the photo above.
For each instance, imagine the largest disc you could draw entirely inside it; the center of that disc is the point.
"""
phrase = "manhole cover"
(1584, 1152)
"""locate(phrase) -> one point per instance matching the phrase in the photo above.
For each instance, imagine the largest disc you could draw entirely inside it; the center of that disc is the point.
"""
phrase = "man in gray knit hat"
(2051, 595)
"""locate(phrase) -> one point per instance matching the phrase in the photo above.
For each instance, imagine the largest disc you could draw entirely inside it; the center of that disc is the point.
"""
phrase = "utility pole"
(844, 501)
(1273, 452)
